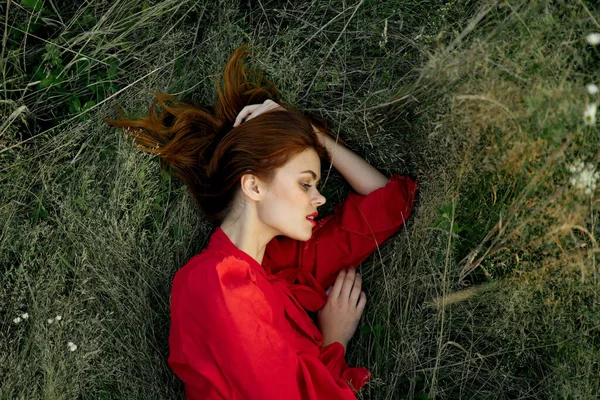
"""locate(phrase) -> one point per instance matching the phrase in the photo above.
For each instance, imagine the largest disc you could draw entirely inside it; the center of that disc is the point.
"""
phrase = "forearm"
(362, 176)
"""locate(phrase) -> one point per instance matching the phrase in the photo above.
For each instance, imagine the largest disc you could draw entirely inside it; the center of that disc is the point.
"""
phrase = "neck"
(249, 236)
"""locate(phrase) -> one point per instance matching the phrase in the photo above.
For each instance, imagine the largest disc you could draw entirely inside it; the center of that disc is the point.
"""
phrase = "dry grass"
(491, 289)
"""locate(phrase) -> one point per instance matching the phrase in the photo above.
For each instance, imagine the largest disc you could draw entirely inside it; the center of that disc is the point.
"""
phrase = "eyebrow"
(312, 173)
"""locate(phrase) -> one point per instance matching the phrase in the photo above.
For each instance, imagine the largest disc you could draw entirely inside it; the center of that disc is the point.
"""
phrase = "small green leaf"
(15, 34)
(39, 212)
(48, 80)
(35, 5)
(335, 75)
(34, 27)
(320, 86)
(52, 55)
(88, 104)
(39, 73)
(74, 105)
(114, 68)
(377, 330)
(80, 203)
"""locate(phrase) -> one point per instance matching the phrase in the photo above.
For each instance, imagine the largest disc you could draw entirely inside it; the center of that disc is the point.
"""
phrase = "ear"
(250, 186)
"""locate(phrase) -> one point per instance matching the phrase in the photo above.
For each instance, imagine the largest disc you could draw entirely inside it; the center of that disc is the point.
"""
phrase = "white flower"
(50, 320)
(58, 318)
(72, 346)
(585, 177)
(25, 316)
(592, 88)
(577, 166)
(589, 115)
(593, 38)
(17, 320)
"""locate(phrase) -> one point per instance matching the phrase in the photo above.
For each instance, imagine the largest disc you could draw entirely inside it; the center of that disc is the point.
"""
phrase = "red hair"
(199, 145)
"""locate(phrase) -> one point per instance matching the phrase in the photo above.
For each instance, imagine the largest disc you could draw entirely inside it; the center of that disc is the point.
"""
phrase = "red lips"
(311, 220)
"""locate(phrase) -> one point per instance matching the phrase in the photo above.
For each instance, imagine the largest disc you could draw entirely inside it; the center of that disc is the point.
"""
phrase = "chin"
(300, 233)
(302, 237)
(309, 235)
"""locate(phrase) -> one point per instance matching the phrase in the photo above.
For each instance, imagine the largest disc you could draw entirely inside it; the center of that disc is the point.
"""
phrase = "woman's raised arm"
(362, 176)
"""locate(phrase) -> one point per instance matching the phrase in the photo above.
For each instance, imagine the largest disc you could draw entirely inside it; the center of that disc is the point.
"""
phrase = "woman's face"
(292, 196)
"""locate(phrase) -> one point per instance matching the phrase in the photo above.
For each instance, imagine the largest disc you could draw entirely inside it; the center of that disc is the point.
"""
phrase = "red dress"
(239, 329)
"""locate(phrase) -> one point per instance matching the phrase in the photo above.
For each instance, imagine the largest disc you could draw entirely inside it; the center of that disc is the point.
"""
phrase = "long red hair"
(199, 145)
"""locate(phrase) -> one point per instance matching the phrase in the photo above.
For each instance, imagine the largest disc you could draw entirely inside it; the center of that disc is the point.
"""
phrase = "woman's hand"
(339, 318)
(254, 110)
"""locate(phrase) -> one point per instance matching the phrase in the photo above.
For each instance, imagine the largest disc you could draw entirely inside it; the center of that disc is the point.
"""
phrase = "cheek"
(291, 198)
(278, 201)
(285, 203)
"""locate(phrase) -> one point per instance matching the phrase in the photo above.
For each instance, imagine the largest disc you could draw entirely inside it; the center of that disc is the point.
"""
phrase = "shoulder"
(209, 272)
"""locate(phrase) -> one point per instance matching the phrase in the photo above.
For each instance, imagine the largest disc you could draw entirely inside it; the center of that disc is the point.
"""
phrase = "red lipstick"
(311, 218)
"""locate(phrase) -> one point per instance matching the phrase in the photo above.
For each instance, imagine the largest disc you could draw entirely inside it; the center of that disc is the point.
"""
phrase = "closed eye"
(306, 186)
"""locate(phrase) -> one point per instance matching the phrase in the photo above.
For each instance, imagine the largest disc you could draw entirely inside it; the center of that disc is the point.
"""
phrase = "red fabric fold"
(308, 291)
(333, 357)
(294, 312)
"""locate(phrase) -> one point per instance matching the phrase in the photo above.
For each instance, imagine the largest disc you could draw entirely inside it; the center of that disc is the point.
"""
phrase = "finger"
(328, 290)
(259, 110)
(268, 105)
(271, 105)
(255, 110)
(360, 307)
(356, 290)
(348, 283)
(247, 110)
(263, 108)
(244, 113)
(337, 285)
(275, 106)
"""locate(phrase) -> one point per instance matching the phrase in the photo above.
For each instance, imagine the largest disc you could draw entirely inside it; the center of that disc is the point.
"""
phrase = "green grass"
(490, 291)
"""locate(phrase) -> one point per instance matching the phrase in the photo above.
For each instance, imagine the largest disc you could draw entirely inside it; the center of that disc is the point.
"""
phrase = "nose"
(319, 200)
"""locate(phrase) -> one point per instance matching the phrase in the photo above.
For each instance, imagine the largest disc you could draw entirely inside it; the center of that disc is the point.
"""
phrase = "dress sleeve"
(225, 336)
(349, 235)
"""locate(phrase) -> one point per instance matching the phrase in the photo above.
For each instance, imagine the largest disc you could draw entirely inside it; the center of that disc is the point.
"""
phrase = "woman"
(239, 322)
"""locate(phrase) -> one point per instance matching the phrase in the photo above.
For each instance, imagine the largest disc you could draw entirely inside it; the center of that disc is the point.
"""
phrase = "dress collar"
(220, 241)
